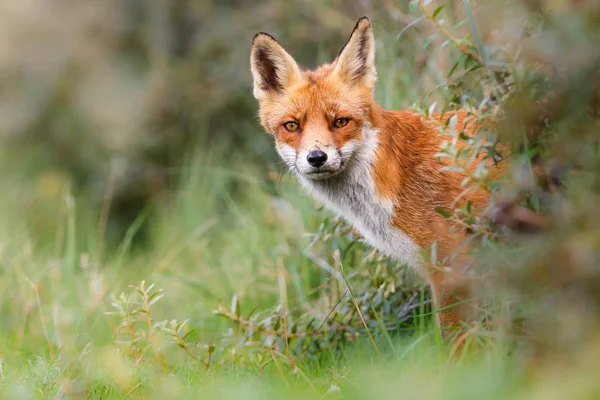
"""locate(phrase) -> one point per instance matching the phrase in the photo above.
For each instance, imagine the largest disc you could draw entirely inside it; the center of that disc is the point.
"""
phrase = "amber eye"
(341, 122)
(291, 126)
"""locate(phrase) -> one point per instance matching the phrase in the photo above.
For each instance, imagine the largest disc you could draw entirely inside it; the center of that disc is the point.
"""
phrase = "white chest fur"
(352, 196)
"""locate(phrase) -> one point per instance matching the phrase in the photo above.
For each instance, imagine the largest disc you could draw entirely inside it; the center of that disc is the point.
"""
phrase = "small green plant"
(140, 336)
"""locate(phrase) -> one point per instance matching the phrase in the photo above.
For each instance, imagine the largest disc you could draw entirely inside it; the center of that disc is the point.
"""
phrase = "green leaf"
(211, 348)
(412, 6)
(456, 64)
(252, 311)
(444, 213)
(192, 331)
(156, 296)
(453, 168)
(464, 137)
(452, 122)
(434, 252)
(437, 10)
(429, 40)
(235, 306)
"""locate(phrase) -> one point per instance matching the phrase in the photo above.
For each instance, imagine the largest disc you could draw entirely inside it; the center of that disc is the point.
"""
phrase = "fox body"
(374, 167)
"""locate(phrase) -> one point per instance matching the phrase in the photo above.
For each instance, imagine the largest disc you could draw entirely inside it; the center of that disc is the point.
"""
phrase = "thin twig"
(42, 319)
(449, 35)
(151, 335)
(336, 256)
(479, 42)
(105, 211)
(331, 312)
(181, 343)
(209, 356)
(279, 368)
(323, 264)
(248, 324)
(283, 297)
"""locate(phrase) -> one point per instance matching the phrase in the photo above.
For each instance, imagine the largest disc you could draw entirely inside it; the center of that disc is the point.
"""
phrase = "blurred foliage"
(112, 97)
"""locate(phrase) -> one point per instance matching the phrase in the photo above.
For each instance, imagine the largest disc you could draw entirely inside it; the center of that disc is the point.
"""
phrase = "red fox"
(375, 168)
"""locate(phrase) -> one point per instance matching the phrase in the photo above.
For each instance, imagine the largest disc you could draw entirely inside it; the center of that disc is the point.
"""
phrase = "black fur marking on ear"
(263, 34)
(361, 19)
(363, 48)
(267, 69)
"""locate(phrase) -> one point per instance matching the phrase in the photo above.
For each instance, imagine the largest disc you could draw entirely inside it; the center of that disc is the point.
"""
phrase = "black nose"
(316, 158)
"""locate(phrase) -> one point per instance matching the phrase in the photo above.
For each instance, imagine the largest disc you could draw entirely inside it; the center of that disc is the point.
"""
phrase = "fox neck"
(352, 195)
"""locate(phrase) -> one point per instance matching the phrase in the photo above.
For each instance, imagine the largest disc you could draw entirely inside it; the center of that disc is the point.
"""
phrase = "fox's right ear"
(273, 68)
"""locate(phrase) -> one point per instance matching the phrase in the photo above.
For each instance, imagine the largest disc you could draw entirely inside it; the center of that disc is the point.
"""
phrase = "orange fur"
(406, 170)
(390, 152)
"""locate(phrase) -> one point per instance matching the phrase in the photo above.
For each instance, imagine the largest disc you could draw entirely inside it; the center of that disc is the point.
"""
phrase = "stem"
(358, 308)
(449, 35)
(248, 324)
(151, 336)
(42, 319)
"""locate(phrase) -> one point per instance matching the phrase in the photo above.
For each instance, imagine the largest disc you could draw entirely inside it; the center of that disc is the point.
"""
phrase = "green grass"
(58, 341)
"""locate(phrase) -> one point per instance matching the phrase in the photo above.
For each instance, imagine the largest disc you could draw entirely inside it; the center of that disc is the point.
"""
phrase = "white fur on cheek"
(288, 155)
(347, 150)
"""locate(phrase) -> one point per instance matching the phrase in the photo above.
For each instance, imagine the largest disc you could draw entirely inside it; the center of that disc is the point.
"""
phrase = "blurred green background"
(130, 150)
(118, 98)
(129, 131)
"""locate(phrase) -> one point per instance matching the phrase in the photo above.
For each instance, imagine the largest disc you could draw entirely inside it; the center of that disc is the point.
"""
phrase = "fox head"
(319, 118)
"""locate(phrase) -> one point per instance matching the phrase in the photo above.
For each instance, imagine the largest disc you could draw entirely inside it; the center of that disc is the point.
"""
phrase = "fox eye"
(341, 122)
(291, 126)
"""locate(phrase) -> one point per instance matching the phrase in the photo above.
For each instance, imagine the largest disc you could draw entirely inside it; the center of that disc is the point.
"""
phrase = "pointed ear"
(273, 68)
(356, 62)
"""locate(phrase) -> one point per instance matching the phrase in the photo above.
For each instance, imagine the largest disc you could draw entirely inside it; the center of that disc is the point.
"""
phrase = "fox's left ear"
(356, 62)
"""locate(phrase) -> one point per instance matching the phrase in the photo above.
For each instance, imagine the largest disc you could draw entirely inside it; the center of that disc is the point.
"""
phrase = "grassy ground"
(61, 337)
